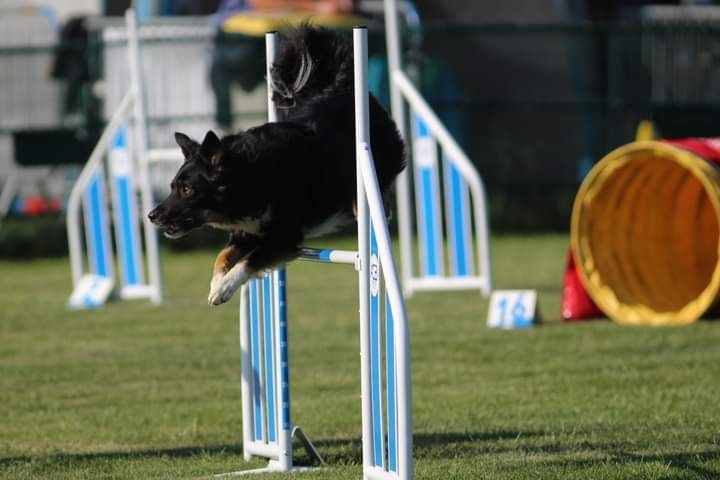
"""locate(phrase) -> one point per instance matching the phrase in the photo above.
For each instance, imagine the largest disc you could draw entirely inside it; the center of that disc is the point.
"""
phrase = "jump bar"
(328, 255)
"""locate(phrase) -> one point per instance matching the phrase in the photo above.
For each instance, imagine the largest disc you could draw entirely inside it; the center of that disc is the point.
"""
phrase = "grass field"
(135, 391)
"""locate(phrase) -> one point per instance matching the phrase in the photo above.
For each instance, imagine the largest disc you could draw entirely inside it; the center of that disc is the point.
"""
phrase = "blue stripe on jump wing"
(284, 365)
(269, 356)
(129, 256)
(459, 215)
(427, 176)
(428, 195)
(375, 367)
(255, 345)
(391, 386)
(120, 140)
(99, 244)
(422, 129)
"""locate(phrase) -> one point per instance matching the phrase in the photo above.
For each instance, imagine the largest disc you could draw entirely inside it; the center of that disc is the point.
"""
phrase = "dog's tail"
(312, 63)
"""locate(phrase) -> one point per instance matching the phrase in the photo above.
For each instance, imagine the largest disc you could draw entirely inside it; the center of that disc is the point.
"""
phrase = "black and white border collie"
(275, 185)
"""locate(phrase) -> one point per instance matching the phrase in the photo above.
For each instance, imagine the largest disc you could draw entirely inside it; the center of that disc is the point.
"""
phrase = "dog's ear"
(186, 144)
(210, 145)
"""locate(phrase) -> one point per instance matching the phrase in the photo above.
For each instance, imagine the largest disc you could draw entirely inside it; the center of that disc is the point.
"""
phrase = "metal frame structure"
(384, 336)
(465, 219)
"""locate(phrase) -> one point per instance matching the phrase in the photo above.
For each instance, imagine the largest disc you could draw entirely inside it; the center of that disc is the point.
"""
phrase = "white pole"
(271, 44)
(392, 39)
(279, 316)
(141, 141)
(246, 372)
(362, 134)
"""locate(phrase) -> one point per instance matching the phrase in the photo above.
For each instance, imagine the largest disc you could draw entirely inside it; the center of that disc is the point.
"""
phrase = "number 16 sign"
(512, 308)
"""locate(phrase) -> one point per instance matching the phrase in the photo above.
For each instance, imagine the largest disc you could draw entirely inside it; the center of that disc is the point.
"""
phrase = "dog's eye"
(186, 191)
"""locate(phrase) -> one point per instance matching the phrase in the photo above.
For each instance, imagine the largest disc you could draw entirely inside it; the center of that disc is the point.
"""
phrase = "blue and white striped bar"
(97, 227)
(427, 193)
(328, 255)
(257, 377)
(269, 356)
(280, 297)
(376, 388)
(458, 221)
(391, 388)
(127, 229)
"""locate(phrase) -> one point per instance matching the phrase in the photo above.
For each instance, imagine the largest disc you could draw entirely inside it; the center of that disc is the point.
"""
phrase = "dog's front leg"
(222, 287)
(230, 270)
(269, 253)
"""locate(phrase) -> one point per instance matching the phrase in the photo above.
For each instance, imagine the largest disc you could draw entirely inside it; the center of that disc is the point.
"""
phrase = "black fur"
(270, 185)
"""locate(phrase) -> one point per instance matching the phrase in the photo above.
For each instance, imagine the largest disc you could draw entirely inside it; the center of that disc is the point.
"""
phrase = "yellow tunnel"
(646, 234)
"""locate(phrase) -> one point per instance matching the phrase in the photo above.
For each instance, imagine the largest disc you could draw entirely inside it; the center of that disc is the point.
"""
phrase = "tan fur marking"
(226, 259)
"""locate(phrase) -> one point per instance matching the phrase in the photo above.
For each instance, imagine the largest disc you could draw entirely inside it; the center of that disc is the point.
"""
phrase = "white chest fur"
(332, 224)
(251, 225)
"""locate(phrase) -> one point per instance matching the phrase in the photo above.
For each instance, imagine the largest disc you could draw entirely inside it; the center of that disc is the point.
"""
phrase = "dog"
(275, 185)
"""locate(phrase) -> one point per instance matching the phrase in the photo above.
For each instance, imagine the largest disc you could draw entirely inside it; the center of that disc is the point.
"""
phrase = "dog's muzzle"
(171, 228)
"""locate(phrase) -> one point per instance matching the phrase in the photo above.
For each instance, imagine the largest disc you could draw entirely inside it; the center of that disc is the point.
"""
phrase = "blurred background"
(536, 91)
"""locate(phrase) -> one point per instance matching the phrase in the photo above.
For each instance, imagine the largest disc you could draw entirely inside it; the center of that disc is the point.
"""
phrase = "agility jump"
(460, 258)
(125, 169)
(385, 366)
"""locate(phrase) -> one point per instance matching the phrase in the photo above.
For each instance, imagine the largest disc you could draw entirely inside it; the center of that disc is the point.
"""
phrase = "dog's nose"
(153, 215)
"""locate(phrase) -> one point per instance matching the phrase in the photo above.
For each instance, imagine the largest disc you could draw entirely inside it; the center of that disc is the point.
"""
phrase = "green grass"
(135, 391)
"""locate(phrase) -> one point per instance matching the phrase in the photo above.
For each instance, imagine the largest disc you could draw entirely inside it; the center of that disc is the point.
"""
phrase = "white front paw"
(214, 286)
(222, 287)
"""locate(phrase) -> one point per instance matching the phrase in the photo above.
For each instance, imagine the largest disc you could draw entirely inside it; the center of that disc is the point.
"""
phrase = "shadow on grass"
(179, 452)
(335, 451)
(683, 461)
(457, 445)
(425, 445)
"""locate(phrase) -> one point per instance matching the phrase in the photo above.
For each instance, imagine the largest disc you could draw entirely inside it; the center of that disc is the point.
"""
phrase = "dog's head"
(196, 191)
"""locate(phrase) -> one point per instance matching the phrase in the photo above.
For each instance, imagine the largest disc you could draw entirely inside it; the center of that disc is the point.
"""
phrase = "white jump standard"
(466, 242)
(385, 365)
(118, 159)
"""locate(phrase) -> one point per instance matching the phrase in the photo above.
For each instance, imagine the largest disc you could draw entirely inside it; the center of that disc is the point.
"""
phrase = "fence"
(536, 106)
(540, 103)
